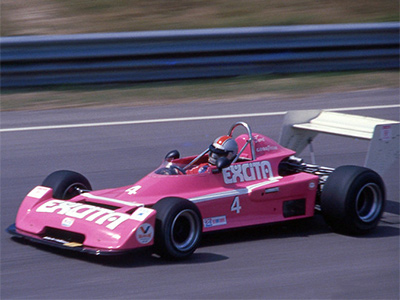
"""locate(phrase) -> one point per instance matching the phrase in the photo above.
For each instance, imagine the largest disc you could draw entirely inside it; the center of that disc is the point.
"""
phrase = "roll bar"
(249, 141)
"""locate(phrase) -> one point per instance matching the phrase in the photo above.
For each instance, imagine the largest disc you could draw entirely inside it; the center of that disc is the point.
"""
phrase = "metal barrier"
(192, 54)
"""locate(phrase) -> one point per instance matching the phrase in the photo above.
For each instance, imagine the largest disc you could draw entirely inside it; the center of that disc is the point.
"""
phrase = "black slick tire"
(353, 200)
(178, 228)
(65, 184)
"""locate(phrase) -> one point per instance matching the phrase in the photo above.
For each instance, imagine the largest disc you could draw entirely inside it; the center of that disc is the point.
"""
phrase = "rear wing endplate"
(302, 126)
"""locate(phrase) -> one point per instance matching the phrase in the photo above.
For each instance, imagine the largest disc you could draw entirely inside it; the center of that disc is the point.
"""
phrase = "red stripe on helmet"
(223, 139)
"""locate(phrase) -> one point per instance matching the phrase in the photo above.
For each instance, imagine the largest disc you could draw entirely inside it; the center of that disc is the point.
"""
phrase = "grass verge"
(227, 89)
(21, 17)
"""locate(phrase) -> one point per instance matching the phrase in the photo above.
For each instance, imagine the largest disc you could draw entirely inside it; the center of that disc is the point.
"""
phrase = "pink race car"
(236, 182)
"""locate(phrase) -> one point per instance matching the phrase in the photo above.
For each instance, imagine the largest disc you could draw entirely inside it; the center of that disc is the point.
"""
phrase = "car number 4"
(236, 205)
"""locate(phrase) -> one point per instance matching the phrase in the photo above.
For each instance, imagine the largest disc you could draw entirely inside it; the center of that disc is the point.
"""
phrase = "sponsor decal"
(67, 222)
(247, 172)
(386, 133)
(264, 148)
(141, 214)
(73, 244)
(38, 192)
(98, 215)
(312, 185)
(214, 221)
(145, 233)
(267, 148)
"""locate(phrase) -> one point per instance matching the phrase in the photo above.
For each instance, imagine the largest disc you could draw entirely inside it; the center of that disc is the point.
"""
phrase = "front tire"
(66, 184)
(178, 228)
(353, 200)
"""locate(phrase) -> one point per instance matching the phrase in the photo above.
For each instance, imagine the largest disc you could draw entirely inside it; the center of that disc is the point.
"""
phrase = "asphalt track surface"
(296, 260)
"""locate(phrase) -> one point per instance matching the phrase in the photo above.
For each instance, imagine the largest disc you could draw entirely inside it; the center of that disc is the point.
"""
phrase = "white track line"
(185, 119)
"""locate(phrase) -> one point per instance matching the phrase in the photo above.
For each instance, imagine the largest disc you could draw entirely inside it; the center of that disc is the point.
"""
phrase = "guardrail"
(203, 53)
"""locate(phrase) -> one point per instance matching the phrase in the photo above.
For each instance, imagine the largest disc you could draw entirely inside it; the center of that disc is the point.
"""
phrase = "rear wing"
(302, 126)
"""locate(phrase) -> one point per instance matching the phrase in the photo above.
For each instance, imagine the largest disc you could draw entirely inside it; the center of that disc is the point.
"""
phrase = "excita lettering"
(83, 211)
(247, 172)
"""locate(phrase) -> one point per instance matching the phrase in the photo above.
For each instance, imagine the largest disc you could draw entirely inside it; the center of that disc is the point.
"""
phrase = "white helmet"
(224, 146)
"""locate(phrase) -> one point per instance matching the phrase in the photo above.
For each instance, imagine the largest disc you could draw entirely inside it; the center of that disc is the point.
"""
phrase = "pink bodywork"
(248, 192)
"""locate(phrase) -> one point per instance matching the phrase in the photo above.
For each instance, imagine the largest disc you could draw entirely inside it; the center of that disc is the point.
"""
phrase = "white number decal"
(133, 190)
(236, 205)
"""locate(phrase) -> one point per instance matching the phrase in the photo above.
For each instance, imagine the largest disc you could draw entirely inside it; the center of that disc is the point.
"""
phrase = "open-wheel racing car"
(258, 182)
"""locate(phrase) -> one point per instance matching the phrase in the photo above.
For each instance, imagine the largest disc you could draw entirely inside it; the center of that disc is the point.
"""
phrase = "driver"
(224, 146)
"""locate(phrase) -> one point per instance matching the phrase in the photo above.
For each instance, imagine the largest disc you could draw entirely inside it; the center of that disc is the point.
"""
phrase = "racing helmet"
(224, 146)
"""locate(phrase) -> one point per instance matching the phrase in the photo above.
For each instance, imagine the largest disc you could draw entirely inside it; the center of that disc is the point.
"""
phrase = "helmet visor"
(219, 152)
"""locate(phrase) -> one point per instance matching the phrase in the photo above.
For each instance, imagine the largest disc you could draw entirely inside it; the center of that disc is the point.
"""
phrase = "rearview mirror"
(171, 155)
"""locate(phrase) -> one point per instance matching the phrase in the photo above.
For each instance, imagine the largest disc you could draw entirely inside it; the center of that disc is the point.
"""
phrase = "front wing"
(65, 245)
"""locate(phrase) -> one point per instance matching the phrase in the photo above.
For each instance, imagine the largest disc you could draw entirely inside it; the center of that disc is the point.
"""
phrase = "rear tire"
(178, 228)
(65, 184)
(353, 200)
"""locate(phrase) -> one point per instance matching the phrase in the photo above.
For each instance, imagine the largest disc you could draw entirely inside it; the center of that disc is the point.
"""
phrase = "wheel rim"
(185, 230)
(369, 202)
(73, 190)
